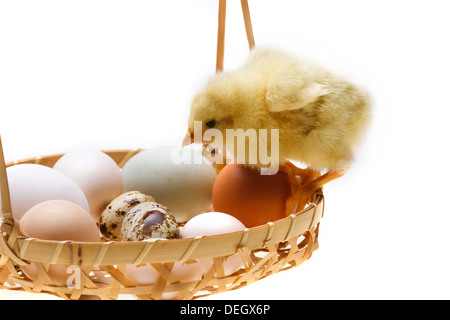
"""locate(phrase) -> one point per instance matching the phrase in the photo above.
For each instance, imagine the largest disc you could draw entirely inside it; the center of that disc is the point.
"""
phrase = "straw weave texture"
(264, 250)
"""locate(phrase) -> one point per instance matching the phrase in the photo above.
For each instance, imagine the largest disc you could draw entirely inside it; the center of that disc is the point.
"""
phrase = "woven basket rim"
(264, 250)
(181, 249)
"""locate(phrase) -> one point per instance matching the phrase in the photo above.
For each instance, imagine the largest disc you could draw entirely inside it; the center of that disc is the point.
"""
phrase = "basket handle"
(221, 31)
(4, 190)
(10, 228)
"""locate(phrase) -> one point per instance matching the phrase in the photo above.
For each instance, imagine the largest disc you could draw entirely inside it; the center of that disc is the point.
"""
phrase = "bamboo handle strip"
(248, 24)
(221, 35)
(6, 202)
(279, 240)
(4, 188)
(221, 31)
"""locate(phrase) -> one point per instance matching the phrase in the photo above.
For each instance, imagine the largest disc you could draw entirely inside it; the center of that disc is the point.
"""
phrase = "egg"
(148, 220)
(96, 174)
(174, 177)
(145, 274)
(30, 184)
(112, 217)
(58, 220)
(252, 198)
(210, 224)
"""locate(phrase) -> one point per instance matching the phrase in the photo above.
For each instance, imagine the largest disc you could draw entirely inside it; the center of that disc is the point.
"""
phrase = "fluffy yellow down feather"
(320, 116)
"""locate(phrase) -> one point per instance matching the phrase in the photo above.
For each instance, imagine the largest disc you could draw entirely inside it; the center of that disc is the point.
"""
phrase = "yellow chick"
(319, 116)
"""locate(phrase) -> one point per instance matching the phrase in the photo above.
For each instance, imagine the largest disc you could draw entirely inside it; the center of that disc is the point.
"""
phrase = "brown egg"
(58, 220)
(252, 198)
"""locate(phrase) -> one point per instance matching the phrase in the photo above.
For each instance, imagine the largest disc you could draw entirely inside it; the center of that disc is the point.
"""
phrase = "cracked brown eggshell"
(149, 220)
(112, 217)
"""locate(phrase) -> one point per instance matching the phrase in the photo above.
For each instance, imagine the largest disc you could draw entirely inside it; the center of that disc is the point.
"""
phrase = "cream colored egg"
(210, 224)
(30, 184)
(97, 175)
(58, 220)
(180, 178)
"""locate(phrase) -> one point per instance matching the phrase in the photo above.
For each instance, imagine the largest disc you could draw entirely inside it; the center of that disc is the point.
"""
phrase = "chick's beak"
(188, 139)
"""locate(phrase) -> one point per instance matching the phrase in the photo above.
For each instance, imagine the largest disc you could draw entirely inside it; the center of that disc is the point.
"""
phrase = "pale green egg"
(179, 178)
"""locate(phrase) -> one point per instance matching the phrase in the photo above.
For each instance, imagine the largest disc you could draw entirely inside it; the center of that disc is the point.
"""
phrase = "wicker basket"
(264, 250)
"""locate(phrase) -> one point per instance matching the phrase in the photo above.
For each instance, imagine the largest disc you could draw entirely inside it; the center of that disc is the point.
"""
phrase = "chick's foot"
(298, 199)
(298, 180)
(302, 191)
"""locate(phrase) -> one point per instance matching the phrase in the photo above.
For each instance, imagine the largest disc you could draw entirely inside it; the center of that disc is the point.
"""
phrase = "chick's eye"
(211, 123)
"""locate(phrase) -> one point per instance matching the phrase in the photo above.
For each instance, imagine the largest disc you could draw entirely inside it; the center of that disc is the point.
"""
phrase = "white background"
(120, 74)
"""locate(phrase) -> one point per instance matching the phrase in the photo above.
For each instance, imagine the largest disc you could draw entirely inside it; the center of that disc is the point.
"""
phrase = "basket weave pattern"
(264, 250)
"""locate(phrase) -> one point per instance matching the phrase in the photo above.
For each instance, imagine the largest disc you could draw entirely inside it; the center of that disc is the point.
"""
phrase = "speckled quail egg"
(149, 220)
(111, 218)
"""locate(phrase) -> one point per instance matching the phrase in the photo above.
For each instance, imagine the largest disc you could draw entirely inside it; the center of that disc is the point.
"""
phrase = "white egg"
(30, 184)
(96, 174)
(179, 178)
(210, 224)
